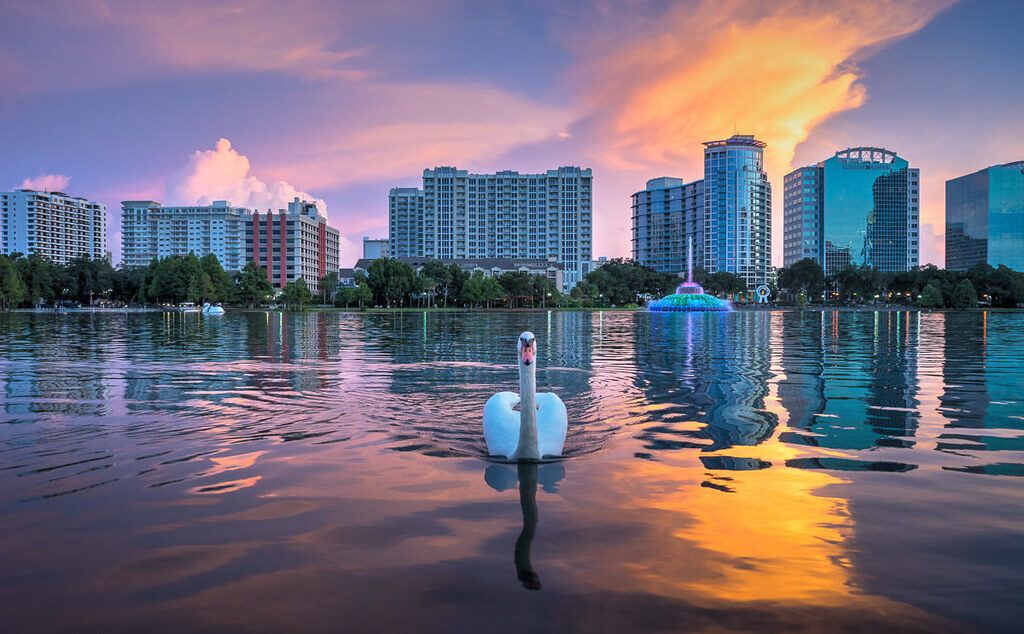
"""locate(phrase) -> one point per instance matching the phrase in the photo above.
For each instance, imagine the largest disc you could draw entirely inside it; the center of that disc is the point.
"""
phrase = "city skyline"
(342, 103)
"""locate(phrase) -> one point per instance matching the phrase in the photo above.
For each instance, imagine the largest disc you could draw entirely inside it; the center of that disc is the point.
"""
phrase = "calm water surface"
(325, 472)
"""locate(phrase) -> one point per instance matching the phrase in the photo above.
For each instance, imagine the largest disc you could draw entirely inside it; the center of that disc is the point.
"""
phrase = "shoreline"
(616, 309)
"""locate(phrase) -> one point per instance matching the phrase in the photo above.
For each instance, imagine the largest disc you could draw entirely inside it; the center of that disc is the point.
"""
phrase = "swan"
(538, 427)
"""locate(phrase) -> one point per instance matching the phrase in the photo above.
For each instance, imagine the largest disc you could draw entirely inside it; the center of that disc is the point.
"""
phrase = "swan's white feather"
(501, 424)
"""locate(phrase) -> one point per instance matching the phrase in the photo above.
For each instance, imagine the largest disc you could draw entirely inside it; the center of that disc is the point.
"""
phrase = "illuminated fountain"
(689, 296)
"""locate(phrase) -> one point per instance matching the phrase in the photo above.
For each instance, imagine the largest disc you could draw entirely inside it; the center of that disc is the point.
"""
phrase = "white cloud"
(47, 183)
(348, 252)
(223, 174)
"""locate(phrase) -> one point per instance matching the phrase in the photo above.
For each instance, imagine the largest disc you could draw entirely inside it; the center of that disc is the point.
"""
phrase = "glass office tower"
(985, 218)
(737, 209)
(858, 208)
(665, 216)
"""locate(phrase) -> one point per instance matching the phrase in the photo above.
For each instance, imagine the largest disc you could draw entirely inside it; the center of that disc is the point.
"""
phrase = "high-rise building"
(985, 218)
(150, 231)
(858, 208)
(802, 221)
(737, 223)
(406, 222)
(458, 215)
(52, 224)
(293, 244)
(666, 215)
(376, 249)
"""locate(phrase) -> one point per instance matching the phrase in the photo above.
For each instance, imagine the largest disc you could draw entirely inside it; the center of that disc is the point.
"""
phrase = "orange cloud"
(704, 72)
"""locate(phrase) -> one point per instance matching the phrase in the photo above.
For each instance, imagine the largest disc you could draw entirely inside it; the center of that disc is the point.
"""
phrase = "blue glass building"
(860, 207)
(985, 218)
(737, 209)
(665, 216)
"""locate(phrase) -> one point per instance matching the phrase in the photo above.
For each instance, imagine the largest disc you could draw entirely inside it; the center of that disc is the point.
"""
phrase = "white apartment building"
(52, 224)
(150, 231)
(458, 215)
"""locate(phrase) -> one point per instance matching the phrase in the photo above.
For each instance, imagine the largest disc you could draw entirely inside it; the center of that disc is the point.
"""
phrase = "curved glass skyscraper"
(737, 209)
(858, 208)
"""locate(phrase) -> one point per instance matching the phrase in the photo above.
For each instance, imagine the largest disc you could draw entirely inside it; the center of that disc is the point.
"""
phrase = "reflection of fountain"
(500, 477)
(689, 295)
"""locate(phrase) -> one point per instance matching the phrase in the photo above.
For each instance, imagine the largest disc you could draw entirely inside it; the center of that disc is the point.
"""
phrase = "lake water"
(326, 472)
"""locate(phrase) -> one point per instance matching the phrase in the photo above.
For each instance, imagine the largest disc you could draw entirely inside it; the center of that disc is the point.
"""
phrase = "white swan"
(538, 427)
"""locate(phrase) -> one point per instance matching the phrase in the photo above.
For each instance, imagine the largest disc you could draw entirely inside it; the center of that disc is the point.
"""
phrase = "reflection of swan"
(502, 478)
(538, 428)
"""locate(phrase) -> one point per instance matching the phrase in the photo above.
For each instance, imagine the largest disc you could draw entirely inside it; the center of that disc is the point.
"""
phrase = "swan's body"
(534, 430)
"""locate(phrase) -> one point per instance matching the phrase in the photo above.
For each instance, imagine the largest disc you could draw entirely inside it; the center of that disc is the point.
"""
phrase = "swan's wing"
(552, 424)
(501, 424)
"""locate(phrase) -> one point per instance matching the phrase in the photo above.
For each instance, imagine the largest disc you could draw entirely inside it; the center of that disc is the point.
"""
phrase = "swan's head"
(527, 348)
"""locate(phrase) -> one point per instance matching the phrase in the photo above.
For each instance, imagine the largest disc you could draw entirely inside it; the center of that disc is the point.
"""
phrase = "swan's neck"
(529, 446)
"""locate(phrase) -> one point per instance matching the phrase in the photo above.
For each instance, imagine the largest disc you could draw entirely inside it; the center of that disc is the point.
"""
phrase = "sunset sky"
(127, 100)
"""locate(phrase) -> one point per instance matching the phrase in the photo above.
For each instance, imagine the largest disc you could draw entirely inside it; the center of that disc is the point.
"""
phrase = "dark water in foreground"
(324, 472)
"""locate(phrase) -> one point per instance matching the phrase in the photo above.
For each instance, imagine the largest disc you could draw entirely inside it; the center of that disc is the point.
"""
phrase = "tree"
(329, 286)
(425, 286)
(931, 297)
(252, 286)
(297, 294)
(12, 288)
(805, 276)
(221, 286)
(362, 295)
(518, 287)
(473, 289)
(622, 282)
(491, 291)
(964, 295)
(127, 284)
(724, 282)
(44, 281)
(391, 281)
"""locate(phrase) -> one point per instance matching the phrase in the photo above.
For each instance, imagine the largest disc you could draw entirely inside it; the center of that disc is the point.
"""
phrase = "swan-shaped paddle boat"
(537, 428)
(212, 310)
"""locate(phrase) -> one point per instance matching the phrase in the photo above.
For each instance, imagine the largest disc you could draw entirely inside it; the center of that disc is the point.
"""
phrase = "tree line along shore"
(33, 281)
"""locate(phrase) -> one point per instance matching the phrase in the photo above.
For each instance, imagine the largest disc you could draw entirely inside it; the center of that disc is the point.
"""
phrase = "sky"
(258, 102)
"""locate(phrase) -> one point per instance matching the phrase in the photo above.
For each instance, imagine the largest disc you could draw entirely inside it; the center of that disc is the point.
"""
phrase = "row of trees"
(392, 283)
(927, 286)
(34, 280)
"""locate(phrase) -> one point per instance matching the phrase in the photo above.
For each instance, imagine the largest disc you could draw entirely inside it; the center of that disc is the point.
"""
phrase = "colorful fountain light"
(689, 295)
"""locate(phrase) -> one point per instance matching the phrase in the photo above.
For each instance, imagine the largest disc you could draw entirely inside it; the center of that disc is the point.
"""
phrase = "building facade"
(860, 207)
(54, 225)
(737, 225)
(406, 222)
(293, 244)
(458, 215)
(667, 215)
(376, 249)
(802, 219)
(150, 231)
(985, 218)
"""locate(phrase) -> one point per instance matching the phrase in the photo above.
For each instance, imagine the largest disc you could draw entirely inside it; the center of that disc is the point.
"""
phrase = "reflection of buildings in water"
(851, 378)
(716, 368)
(63, 366)
(978, 391)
